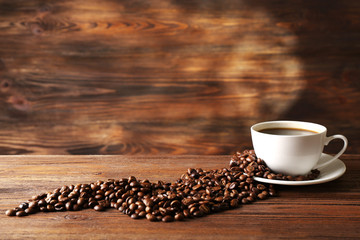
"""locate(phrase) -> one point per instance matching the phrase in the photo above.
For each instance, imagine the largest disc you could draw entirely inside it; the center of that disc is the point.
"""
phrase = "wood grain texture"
(325, 211)
(174, 77)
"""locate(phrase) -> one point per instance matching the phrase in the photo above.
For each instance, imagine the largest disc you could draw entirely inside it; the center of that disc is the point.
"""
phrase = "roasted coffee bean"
(148, 202)
(234, 203)
(49, 208)
(31, 210)
(193, 209)
(69, 206)
(168, 218)
(198, 214)
(44, 208)
(179, 217)
(186, 213)
(151, 217)
(187, 201)
(24, 205)
(76, 207)
(21, 213)
(272, 192)
(195, 194)
(141, 207)
(33, 204)
(261, 196)
(81, 201)
(132, 207)
(142, 214)
(10, 212)
(233, 185)
(244, 201)
(204, 209)
(92, 203)
(59, 207)
(99, 208)
(99, 197)
(63, 198)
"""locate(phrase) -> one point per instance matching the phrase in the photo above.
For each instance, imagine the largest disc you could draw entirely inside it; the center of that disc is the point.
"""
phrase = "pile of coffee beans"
(195, 194)
(249, 163)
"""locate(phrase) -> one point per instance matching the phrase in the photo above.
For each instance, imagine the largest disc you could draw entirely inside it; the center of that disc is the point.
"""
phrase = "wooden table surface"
(325, 211)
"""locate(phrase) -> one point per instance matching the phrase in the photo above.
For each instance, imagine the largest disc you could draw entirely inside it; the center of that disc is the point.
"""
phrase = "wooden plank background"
(173, 77)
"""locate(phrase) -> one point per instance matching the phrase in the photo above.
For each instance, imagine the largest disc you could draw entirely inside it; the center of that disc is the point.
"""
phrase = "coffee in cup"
(292, 147)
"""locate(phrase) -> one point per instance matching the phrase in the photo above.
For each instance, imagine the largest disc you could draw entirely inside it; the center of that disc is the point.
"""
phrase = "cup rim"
(318, 128)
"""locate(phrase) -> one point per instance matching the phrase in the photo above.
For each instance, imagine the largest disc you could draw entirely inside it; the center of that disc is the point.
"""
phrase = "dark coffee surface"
(287, 131)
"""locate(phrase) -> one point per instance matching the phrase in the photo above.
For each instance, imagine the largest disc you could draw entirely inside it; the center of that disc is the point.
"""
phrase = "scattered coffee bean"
(33, 204)
(234, 203)
(31, 210)
(21, 213)
(11, 212)
(24, 205)
(168, 218)
(151, 217)
(179, 217)
(196, 193)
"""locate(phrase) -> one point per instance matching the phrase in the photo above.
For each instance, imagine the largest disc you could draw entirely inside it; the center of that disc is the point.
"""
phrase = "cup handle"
(329, 139)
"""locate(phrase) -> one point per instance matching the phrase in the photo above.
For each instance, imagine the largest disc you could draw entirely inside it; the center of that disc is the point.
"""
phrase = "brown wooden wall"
(174, 77)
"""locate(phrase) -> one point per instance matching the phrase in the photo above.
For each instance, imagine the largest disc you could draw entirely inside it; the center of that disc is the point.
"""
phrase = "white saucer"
(327, 173)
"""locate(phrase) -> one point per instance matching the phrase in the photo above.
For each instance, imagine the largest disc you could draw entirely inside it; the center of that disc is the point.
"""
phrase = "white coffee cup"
(291, 153)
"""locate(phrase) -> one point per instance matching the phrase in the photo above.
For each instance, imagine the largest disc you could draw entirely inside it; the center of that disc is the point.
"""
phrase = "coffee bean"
(261, 196)
(10, 212)
(151, 217)
(21, 213)
(24, 205)
(99, 196)
(195, 194)
(99, 208)
(142, 214)
(193, 209)
(175, 204)
(69, 206)
(198, 214)
(187, 201)
(81, 201)
(204, 209)
(63, 198)
(234, 203)
(186, 213)
(92, 203)
(168, 218)
(179, 217)
(59, 207)
(31, 210)
(33, 204)
(233, 185)
(49, 208)
(76, 207)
